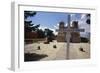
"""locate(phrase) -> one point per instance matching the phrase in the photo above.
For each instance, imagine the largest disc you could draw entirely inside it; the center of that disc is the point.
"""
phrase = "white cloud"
(56, 27)
(73, 15)
(84, 25)
(42, 27)
(54, 31)
(83, 16)
(66, 24)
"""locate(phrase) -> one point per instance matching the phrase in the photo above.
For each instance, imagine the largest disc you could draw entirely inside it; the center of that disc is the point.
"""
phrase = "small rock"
(54, 46)
(38, 48)
(81, 49)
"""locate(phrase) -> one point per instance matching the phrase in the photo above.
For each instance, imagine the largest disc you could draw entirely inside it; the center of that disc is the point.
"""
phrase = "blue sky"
(51, 20)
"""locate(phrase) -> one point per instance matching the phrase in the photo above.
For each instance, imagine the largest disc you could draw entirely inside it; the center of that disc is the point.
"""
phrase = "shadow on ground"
(33, 57)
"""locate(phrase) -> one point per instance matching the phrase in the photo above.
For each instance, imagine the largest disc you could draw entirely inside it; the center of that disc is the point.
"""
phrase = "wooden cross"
(68, 32)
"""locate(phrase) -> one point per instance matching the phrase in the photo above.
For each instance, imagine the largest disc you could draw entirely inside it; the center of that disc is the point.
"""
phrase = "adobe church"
(75, 36)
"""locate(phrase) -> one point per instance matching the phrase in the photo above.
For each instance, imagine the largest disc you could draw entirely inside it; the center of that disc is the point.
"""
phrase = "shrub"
(54, 46)
(38, 48)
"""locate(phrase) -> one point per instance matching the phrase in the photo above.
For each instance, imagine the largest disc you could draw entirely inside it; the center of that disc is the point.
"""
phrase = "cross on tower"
(68, 32)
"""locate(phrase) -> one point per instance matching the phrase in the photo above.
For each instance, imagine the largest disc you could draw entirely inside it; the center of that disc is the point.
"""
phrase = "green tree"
(41, 33)
(49, 34)
(29, 14)
(88, 19)
(29, 27)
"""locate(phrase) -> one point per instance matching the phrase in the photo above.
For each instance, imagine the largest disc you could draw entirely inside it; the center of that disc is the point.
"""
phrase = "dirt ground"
(60, 51)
